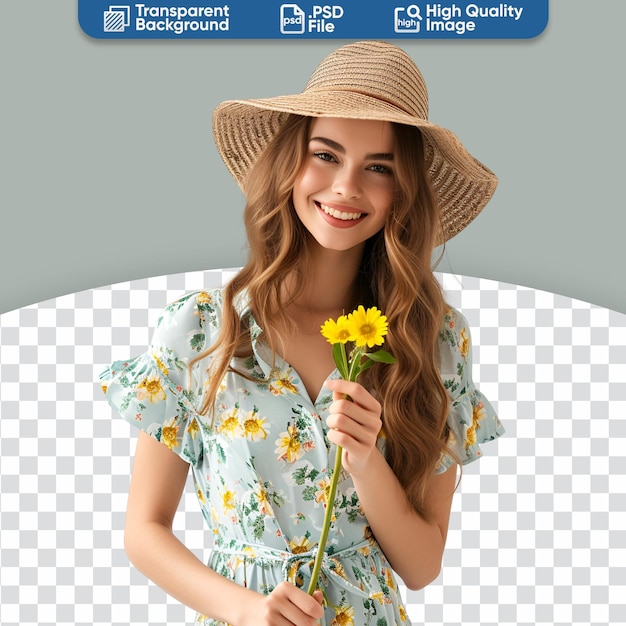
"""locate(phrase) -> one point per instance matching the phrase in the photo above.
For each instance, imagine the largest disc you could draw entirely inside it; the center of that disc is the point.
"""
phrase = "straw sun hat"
(368, 80)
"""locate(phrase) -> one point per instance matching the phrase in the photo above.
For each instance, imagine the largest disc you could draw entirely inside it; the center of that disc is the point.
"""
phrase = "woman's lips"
(336, 217)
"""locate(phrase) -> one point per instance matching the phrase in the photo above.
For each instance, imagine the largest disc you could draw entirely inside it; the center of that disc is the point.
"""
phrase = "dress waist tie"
(294, 563)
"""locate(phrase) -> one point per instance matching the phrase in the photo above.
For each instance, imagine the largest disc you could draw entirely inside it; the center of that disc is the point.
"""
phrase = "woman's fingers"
(290, 605)
(354, 423)
(358, 415)
(362, 428)
(355, 392)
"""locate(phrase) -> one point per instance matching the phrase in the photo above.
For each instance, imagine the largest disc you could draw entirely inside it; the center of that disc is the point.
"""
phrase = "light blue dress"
(262, 469)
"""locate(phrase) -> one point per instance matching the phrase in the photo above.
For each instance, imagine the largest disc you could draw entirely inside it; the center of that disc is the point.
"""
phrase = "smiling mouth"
(340, 215)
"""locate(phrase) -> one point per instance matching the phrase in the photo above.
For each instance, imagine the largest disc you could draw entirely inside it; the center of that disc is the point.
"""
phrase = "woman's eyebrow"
(378, 156)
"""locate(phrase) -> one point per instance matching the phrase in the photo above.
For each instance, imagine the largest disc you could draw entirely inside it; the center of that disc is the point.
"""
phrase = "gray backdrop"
(109, 173)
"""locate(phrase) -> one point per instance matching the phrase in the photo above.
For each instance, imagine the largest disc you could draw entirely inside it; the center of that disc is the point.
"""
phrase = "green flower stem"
(321, 546)
(328, 601)
(349, 368)
(355, 364)
(344, 360)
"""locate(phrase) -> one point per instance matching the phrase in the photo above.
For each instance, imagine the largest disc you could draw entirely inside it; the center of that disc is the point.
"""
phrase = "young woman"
(349, 188)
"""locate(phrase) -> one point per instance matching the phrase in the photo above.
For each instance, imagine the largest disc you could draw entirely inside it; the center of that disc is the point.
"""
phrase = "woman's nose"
(347, 182)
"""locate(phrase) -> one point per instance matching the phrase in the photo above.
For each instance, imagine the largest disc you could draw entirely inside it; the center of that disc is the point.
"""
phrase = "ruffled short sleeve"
(471, 418)
(154, 391)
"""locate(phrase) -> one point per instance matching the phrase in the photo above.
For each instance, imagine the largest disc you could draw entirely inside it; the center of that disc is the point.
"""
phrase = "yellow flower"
(367, 327)
(203, 298)
(465, 343)
(249, 552)
(403, 615)
(261, 497)
(230, 425)
(336, 331)
(338, 568)
(391, 583)
(200, 494)
(104, 387)
(379, 596)
(193, 428)
(228, 500)
(169, 434)
(283, 381)
(368, 534)
(298, 545)
(323, 491)
(478, 413)
(150, 388)
(293, 576)
(343, 617)
(288, 445)
(160, 365)
(254, 426)
(470, 436)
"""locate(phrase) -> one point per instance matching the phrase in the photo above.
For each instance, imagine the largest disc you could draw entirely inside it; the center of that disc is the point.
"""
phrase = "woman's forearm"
(156, 552)
(413, 546)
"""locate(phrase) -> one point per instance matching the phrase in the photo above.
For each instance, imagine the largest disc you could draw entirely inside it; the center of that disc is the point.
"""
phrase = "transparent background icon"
(116, 19)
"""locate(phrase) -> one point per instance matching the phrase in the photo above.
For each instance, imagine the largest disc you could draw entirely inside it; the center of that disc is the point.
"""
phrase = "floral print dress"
(262, 469)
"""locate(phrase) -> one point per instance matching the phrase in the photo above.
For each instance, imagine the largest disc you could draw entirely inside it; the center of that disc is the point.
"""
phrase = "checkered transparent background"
(537, 532)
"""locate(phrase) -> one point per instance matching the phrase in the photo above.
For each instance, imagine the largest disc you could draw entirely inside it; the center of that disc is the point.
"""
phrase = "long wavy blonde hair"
(395, 275)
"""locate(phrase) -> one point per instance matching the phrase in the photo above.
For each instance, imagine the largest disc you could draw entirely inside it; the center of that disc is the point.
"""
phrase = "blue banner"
(343, 19)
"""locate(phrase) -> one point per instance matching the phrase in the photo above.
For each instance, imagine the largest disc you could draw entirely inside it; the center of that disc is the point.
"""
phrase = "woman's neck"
(331, 284)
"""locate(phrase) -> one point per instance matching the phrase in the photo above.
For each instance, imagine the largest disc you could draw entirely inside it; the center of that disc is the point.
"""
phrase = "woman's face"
(345, 189)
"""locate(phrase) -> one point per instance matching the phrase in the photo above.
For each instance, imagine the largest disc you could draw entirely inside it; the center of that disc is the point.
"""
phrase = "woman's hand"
(354, 424)
(287, 605)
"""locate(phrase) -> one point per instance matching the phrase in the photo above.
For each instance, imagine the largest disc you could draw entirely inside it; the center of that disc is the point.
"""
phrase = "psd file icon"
(291, 19)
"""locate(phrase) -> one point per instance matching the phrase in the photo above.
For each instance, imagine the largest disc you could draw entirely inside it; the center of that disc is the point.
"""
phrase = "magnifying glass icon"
(413, 11)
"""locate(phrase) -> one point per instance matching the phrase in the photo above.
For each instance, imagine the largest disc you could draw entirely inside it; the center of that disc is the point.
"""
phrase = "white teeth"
(338, 214)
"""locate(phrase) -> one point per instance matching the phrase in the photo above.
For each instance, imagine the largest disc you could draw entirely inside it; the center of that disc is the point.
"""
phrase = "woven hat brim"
(463, 185)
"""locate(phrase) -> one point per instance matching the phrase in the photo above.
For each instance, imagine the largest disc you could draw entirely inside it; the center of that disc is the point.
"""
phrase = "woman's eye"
(324, 156)
(380, 169)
